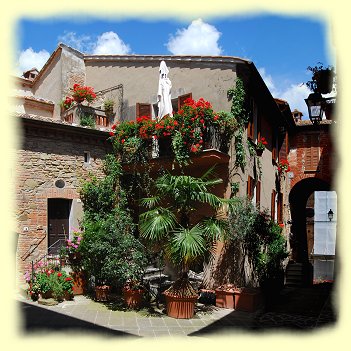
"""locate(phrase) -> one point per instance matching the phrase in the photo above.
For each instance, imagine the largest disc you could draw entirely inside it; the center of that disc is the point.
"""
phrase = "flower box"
(247, 299)
(133, 298)
(102, 293)
(225, 296)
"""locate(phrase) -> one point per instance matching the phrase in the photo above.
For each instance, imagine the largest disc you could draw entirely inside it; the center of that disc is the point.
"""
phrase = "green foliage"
(108, 106)
(260, 237)
(237, 95)
(240, 152)
(99, 195)
(171, 226)
(181, 150)
(87, 120)
(110, 251)
(235, 186)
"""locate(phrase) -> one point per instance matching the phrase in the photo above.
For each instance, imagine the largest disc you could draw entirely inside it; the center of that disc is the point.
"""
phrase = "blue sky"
(281, 47)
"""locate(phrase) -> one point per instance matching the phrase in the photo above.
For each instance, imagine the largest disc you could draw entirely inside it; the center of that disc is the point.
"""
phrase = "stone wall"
(45, 156)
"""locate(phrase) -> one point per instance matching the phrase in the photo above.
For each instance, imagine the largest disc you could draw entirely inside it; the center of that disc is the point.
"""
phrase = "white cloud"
(110, 43)
(294, 94)
(199, 38)
(83, 43)
(29, 59)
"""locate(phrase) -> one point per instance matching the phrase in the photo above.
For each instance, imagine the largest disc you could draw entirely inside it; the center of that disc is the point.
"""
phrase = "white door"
(324, 234)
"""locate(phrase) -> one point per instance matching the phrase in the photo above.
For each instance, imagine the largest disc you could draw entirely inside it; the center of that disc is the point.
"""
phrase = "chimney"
(297, 115)
(31, 74)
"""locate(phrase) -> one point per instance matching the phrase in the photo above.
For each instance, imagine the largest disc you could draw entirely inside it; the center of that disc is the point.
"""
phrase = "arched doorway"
(309, 226)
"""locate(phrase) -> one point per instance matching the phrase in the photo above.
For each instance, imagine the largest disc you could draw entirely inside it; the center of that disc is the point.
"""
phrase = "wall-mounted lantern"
(315, 104)
(330, 215)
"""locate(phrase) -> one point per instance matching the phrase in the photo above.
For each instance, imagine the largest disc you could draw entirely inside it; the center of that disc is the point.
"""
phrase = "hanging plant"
(322, 79)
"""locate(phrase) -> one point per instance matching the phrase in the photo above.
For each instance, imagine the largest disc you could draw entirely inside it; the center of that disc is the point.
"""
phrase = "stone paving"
(85, 315)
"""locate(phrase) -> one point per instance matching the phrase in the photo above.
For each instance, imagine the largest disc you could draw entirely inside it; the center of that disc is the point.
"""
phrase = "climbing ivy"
(237, 95)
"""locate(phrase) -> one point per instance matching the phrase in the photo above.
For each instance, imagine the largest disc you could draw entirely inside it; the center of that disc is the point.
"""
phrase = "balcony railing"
(213, 140)
(85, 115)
(159, 153)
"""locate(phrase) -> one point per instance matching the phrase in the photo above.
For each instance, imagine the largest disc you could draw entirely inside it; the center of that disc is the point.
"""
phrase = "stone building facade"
(55, 147)
(52, 162)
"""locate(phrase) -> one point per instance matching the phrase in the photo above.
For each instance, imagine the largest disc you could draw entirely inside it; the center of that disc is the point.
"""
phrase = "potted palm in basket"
(168, 222)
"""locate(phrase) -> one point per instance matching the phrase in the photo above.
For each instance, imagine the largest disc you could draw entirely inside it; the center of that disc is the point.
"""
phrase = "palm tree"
(168, 221)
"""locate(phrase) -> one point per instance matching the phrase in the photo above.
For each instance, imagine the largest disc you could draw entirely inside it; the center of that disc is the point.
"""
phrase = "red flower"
(113, 127)
(59, 274)
(112, 133)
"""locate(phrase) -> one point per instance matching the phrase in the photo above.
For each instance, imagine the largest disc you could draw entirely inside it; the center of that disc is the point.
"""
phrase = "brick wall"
(47, 155)
(299, 153)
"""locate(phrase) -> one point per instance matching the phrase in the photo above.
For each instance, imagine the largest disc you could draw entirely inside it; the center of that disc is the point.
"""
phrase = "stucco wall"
(140, 81)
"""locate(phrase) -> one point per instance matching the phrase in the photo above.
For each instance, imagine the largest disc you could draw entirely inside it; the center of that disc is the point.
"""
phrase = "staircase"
(294, 274)
(156, 280)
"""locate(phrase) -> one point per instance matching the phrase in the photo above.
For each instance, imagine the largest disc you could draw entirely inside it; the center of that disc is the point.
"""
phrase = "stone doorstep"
(47, 302)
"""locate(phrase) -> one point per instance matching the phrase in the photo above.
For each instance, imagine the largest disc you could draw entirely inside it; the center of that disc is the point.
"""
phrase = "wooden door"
(58, 223)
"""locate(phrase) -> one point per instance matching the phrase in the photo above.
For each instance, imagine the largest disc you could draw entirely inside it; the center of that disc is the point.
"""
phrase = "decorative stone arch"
(299, 194)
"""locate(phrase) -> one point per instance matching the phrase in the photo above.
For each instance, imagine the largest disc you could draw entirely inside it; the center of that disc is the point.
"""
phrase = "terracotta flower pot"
(79, 282)
(102, 292)
(247, 300)
(225, 298)
(259, 152)
(180, 307)
(133, 298)
(68, 296)
(46, 295)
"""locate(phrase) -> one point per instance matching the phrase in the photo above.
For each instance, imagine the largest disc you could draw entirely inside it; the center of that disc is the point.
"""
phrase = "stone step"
(156, 277)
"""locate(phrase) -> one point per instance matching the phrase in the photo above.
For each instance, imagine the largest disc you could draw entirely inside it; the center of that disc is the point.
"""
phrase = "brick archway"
(298, 197)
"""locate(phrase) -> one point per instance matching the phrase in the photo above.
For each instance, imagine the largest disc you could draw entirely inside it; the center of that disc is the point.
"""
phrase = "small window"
(273, 200)
(280, 208)
(250, 187)
(87, 157)
(258, 194)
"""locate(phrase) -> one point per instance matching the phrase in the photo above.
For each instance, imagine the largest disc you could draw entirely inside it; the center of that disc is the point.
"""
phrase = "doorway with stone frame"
(58, 223)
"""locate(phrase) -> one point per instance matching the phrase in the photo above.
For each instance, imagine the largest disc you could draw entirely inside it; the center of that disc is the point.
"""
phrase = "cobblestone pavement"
(84, 315)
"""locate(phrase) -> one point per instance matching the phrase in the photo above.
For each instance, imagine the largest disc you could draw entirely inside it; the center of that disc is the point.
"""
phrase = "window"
(176, 104)
(250, 187)
(312, 152)
(280, 208)
(143, 109)
(86, 157)
(273, 198)
(258, 194)
(252, 120)
(274, 147)
(284, 147)
(181, 99)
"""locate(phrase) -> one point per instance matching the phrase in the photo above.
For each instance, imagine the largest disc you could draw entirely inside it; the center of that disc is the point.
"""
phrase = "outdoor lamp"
(315, 104)
(330, 215)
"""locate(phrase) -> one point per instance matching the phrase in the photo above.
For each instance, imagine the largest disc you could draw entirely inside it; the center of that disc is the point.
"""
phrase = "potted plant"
(168, 223)
(225, 296)
(82, 93)
(133, 292)
(111, 252)
(322, 79)
(264, 248)
(108, 107)
(261, 145)
(283, 167)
